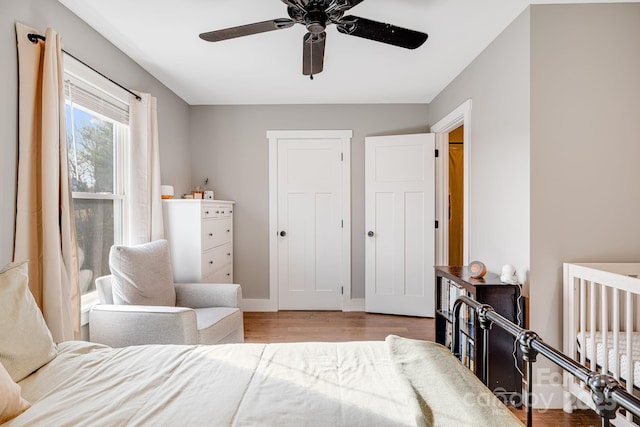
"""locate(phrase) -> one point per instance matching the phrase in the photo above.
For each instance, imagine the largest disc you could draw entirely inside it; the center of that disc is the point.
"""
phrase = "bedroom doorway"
(455, 126)
(456, 196)
(309, 221)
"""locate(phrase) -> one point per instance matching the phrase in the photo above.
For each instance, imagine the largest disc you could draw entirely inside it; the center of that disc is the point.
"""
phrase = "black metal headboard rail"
(607, 393)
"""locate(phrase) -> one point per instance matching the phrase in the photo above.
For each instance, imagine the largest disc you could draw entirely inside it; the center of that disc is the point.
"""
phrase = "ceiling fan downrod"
(315, 20)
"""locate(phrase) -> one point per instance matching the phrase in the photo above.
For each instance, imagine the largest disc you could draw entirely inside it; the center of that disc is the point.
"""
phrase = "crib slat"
(604, 326)
(593, 326)
(629, 330)
(616, 334)
(583, 321)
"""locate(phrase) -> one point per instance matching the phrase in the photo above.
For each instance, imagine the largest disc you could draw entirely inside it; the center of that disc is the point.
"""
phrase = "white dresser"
(200, 235)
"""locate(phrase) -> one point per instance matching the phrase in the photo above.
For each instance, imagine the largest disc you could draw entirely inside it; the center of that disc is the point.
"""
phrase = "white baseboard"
(248, 304)
(258, 305)
(355, 304)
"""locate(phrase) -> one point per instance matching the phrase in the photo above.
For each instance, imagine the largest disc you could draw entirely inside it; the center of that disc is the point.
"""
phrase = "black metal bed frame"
(607, 393)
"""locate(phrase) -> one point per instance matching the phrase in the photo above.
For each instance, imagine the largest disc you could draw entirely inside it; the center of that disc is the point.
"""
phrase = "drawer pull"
(210, 262)
(206, 212)
(230, 211)
(222, 212)
(217, 212)
(229, 254)
(228, 231)
(210, 234)
(228, 274)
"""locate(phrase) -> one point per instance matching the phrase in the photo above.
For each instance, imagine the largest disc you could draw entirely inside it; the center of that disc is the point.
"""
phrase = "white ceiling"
(162, 36)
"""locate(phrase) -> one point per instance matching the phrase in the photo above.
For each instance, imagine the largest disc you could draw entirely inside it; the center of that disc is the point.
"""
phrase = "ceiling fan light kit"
(315, 15)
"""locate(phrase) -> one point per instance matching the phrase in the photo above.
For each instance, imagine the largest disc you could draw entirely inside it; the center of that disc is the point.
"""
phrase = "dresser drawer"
(225, 212)
(215, 258)
(209, 211)
(217, 211)
(221, 275)
(215, 232)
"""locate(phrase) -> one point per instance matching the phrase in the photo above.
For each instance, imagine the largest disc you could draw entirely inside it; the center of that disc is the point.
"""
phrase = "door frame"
(460, 116)
(345, 137)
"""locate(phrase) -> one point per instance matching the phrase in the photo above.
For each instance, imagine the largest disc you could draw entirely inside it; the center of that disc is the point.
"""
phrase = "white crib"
(600, 326)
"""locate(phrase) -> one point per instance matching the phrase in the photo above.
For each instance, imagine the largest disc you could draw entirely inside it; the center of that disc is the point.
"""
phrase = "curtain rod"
(34, 39)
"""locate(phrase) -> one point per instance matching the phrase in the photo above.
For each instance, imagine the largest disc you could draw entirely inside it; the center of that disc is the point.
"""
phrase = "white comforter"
(302, 384)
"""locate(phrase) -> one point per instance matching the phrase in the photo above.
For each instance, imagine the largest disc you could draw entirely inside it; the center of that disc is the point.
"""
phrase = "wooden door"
(310, 229)
(400, 222)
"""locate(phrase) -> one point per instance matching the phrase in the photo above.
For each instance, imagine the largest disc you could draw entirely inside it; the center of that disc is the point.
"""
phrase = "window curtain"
(143, 187)
(45, 230)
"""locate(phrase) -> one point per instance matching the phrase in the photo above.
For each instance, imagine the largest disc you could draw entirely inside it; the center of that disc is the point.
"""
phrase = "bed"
(397, 382)
(601, 324)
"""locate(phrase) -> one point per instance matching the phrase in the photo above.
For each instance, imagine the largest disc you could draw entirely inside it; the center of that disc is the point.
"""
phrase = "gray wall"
(585, 146)
(497, 82)
(554, 149)
(83, 42)
(229, 145)
(554, 146)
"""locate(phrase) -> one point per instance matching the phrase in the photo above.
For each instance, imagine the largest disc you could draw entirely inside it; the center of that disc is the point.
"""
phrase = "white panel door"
(309, 224)
(400, 222)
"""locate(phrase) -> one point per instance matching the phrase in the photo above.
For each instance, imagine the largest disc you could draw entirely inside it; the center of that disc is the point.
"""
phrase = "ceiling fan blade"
(381, 32)
(313, 53)
(247, 30)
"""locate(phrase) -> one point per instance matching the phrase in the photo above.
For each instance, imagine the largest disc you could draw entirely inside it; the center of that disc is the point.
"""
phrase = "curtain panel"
(45, 230)
(143, 190)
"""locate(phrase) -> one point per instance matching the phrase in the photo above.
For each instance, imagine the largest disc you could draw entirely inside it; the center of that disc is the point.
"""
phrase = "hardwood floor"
(333, 326)
(293, 326)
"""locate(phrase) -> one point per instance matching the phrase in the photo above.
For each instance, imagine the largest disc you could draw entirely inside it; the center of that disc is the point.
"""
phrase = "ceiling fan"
(315, 15)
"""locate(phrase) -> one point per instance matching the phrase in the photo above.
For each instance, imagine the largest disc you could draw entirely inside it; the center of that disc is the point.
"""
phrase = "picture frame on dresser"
(200, 236)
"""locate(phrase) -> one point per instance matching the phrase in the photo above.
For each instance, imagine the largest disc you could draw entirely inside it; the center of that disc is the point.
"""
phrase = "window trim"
(76, 72)
(87, 301)
(120, 205)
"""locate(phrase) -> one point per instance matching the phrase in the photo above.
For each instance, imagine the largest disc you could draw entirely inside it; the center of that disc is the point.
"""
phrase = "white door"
(400, 223)
(310, 224)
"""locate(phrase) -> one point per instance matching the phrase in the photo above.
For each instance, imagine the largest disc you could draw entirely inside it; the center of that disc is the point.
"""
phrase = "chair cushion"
(216, 323)
(142, 274)
(25, 341)
(11, 402)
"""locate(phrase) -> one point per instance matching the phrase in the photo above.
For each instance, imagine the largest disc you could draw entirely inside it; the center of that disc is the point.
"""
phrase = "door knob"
(283, 233)
(371, 234)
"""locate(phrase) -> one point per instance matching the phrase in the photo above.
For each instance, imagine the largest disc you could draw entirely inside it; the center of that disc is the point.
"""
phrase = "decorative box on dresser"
(451, 282)
(200, 235)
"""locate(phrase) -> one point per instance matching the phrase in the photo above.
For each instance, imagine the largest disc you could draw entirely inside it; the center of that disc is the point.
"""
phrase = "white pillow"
(142, 274)
(25, 341)
(11, 402)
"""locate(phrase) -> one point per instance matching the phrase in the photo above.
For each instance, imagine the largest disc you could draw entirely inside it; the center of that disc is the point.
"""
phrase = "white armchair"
(203, 313)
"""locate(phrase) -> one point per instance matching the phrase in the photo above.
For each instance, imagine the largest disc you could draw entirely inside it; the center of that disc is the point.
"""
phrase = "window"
(97, 135)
